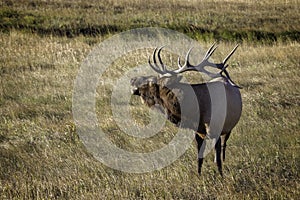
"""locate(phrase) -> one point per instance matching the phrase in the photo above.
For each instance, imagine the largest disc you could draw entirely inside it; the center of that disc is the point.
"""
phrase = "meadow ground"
(42, 46)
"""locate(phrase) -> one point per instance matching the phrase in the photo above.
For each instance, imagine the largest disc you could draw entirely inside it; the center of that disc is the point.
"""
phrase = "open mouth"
(135, 91)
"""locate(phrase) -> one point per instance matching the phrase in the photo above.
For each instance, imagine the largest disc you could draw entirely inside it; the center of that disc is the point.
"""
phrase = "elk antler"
(161, 69)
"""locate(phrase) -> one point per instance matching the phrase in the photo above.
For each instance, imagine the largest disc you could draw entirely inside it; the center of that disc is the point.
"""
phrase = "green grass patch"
(228, 21)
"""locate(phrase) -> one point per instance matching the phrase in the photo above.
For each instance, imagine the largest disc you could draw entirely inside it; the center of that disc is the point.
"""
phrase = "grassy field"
(42, 44)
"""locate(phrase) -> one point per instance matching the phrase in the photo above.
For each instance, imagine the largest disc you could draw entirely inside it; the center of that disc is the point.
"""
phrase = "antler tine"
(230, 54)
(154, 58)
(210, 51)
(154, 67)
(178, 61)
(187, 56)
(186, 66)
(159, 67)
(225, 66)
(159, 59)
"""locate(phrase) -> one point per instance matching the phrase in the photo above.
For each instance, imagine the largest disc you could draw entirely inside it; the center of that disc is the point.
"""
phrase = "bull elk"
(170, 94)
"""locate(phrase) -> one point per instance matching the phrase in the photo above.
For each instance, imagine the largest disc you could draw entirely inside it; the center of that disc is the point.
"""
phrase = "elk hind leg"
(218, 156)
(199, 141)
(224, 138)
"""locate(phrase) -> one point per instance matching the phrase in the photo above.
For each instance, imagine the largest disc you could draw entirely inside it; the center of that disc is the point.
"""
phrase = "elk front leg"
(199, 141)
(218, 156)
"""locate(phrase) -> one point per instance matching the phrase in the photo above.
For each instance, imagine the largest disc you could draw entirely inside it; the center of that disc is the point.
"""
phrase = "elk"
(166, 90)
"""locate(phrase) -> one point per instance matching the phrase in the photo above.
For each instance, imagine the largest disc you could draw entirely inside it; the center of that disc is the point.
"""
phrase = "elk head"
(157, 92)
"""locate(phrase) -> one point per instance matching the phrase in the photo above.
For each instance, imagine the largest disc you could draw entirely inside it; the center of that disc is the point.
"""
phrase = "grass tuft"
(42, 46)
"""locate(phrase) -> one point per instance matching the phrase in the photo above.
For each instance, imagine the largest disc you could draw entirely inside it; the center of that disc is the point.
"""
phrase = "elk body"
(170, 94)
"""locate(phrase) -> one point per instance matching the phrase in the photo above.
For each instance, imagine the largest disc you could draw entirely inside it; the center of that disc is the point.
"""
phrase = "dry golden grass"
(41, 156)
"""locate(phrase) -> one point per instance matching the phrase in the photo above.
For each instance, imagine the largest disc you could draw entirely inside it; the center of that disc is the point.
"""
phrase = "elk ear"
(165, 81)
(152, 81)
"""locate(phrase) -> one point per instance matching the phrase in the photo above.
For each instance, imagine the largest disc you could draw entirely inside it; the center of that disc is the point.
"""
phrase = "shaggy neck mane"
(169, 101)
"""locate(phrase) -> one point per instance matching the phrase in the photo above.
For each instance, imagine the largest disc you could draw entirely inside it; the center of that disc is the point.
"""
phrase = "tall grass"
(225, 20)
(41, 156)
